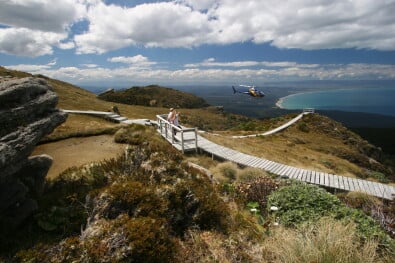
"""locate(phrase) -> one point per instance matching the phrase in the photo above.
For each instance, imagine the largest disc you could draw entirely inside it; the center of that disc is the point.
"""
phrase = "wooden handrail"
(164, 124)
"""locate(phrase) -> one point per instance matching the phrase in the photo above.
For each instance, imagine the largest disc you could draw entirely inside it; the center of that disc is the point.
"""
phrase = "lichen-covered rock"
(27, 114)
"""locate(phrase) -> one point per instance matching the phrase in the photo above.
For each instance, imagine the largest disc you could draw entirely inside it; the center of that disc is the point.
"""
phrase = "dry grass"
(78, 125)
(326, 241)
(310, 150)
(295, 148)
(78, 151)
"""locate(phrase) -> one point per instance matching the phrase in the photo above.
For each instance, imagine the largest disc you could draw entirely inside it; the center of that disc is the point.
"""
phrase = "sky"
(198, 42)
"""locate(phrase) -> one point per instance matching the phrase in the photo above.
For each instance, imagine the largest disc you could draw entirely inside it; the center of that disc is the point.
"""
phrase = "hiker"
(175, 121)
(171, 116)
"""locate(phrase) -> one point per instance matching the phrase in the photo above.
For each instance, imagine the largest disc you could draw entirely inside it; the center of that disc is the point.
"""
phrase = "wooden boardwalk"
(333, 181)
(187, 139)
(110, 116)
(280, 128)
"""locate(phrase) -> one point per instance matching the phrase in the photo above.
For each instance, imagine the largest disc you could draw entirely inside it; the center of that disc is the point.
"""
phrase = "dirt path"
(79, 151)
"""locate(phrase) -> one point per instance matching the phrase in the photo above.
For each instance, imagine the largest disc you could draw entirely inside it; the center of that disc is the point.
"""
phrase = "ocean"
(367, 100)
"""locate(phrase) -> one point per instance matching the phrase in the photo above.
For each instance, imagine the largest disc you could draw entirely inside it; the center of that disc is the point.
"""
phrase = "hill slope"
(155, 96)
(150, 205)
(316, 142)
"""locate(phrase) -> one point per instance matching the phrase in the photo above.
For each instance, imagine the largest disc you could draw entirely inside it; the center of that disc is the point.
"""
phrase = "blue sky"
(183, 42)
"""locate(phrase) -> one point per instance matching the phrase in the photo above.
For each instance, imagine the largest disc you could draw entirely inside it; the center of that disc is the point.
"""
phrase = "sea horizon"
(272, 104)
(378, 100)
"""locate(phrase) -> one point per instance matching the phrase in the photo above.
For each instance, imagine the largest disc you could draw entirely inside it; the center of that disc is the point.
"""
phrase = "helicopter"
(252, 91)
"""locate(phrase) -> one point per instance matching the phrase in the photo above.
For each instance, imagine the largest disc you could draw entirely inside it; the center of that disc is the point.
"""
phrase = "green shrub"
(197, 203)
(382, 178)
(132, 198)
(302, 203)
(302, 126)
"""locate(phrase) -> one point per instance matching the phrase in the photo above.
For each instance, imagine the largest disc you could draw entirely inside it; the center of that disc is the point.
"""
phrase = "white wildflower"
(274, 208)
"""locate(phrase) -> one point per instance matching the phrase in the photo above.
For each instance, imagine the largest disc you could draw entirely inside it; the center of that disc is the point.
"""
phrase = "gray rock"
(33, 174)
(27, 114)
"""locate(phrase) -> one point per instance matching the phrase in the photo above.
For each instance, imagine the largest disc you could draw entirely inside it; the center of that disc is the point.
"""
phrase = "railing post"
(160, 125)
(172, 133)
(196, 140)
(182, 140)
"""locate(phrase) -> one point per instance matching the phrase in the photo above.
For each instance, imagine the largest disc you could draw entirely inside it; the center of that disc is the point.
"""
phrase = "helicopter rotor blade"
(247, 86)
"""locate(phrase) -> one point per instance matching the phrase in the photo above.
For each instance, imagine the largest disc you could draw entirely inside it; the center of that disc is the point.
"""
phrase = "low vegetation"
(315, 143)
(154, 96)
(149, 205)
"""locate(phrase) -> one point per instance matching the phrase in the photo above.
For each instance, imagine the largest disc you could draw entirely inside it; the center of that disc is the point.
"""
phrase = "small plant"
(302, 126)
(327, 240)
(254, 209)
(382, 178)
(300, 203)
(258, 190)
(249, 174)
(227, 170)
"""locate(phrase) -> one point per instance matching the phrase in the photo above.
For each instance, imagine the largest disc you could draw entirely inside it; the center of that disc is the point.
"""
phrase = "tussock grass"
(249, 173)
(226, 172)
(326, 241)
(78, 125)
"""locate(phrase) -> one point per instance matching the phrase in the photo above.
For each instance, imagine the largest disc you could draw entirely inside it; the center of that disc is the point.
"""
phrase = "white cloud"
(210, 62)
(90, 65)
(165, 24)
(42, 15)
(34, 27)
(25, 42)
(53, 62)
(66, 45)
(32, 68)
(137, 60)
(200, 4)
(304, 24)
(132, 74)
(308, 24)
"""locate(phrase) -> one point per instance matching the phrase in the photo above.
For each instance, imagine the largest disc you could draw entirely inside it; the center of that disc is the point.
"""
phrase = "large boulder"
(27, 114)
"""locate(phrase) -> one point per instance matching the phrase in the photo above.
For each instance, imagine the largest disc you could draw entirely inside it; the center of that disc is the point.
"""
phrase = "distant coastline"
(366, 100)
(279, 103)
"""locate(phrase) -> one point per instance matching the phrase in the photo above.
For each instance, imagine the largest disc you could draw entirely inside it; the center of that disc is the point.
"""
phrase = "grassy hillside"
(154, 96)
(317, 142)
(151, 205)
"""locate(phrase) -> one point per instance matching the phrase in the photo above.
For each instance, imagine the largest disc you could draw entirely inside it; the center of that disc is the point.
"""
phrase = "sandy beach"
(279, 103)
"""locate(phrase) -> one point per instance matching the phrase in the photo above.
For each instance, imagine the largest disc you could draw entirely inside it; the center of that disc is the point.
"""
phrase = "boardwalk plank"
(285, 171)
(278, 168)
(300, 174)
(303, 175)
(345, 183)
(275, 167)
(293, 173)
(315, 177)
(270, 166)
(265, 163)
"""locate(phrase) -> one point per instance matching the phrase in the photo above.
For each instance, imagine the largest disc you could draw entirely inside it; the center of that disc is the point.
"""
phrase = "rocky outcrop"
(27, 114)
